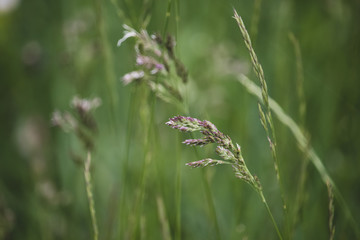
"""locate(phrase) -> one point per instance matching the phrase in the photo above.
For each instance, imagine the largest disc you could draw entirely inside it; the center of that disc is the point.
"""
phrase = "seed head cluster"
(156, 64)
(82, 123)
(230, 153)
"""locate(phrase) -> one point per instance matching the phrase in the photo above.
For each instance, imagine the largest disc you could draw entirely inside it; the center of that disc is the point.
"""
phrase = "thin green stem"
(270, 214)
(209, 197)
(299, 79)
(255, 19)
(167, 18)
(144, 172)
(177, 19)
(90, 196)
(109, 65)
(178, 189)
(129, 130)
(302, 114)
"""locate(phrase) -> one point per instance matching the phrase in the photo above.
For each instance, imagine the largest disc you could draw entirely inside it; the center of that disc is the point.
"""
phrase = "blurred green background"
(51, 51)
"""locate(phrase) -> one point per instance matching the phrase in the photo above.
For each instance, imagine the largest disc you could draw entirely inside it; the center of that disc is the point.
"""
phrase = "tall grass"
(141, 189)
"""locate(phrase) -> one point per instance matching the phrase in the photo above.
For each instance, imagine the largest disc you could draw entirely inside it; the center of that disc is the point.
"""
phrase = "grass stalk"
(209, 197)
(255, 20)
(120, 12)
(129, 130)
(299, 79)
(165, 228)
(177, 19)
(270, 214)
(304, 145)
(266, 118)
(144, 172)
(331, 212)
(302, 114)
(90, 196)
(167, 18)
(178, 188)
(108, 61)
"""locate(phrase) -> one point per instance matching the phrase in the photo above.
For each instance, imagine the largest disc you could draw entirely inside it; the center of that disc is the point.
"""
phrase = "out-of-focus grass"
(52, 50)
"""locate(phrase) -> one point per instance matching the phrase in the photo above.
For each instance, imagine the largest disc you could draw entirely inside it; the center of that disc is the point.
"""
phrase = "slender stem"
(177, 19)
(211, 204)
(109, 64)
(129, 130)
(255, 19)
(331, 212)
(90, 195)
(209, 197)
(178, 189)
(167, 18)
(302, 114)
(270, 214)
(144, 172)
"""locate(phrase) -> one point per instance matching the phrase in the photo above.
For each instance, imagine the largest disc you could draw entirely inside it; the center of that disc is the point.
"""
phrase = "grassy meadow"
(91, 93)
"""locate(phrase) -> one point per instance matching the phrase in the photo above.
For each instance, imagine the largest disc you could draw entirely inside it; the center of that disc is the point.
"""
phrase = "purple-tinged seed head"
(132, 76)
(196, 142)
(205, 162)
(184, 129)
(187, 124)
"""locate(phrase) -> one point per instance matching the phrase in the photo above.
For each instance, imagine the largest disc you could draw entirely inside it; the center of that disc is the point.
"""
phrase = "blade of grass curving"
(304, 145)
